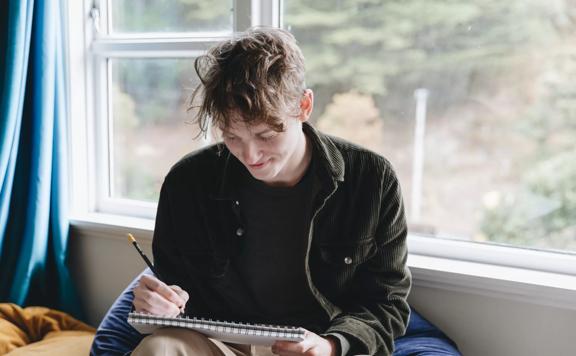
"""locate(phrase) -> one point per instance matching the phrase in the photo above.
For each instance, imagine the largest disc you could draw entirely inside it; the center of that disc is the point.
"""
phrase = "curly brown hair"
(258, 75)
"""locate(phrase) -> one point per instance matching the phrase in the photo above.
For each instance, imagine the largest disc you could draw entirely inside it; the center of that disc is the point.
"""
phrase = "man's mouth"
(257, 165)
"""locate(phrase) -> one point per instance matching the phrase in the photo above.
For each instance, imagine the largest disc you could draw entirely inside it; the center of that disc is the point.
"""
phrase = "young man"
(279, 223)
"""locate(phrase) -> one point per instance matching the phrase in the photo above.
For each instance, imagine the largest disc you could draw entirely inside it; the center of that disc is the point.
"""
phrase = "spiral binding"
(227, 327)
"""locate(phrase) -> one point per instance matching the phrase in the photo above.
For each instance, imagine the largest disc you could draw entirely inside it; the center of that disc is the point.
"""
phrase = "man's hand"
(153, 296)
(312, 345)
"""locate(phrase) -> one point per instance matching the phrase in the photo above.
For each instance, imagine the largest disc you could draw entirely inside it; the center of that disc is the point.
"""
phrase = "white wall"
(486, 326)
(103, 263)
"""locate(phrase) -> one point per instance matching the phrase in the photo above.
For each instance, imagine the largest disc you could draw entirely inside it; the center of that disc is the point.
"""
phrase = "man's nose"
(251, 153)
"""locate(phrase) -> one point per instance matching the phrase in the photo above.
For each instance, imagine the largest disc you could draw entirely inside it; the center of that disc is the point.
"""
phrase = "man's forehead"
(242, 126)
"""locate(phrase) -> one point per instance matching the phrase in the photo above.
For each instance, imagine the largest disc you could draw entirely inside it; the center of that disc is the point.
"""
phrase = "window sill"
(503, 282)
(112, 226)
(537, 286)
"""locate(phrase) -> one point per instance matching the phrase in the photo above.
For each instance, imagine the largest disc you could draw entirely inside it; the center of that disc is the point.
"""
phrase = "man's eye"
(268, 137)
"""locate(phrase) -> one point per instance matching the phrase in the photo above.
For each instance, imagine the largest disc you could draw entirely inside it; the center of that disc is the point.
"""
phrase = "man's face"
(270, 156)
(276, 158)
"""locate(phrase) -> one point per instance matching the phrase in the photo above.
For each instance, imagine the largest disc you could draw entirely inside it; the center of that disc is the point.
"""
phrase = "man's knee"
(175, 341)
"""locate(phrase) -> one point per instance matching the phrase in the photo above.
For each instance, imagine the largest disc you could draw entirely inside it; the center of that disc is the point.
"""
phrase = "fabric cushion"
(422, 338)
(58, 343)
(23, 330)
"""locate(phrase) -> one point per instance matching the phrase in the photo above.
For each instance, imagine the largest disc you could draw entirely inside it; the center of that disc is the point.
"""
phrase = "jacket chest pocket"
(348, 254)
(335, 265)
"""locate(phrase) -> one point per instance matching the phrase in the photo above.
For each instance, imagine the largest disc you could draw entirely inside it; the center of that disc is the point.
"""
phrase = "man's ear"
(306, 105)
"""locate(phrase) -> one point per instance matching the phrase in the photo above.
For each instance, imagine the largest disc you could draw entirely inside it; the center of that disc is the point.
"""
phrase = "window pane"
(474, 103)
(151, 129)
(171, 15)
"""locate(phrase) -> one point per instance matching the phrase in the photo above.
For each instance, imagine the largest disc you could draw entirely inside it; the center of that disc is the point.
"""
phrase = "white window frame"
(86, 58)
(93, 78)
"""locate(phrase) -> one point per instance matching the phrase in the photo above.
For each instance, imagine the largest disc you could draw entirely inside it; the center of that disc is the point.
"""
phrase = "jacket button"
(237, 202)
(239, 231)
(348, 260)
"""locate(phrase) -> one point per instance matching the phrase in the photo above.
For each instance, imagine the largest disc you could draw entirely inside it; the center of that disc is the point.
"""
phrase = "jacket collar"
(330, 167)
(227, 175)
(332, 162)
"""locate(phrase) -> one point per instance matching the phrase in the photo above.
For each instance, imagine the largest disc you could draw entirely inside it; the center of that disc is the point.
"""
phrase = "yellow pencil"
(150, 265)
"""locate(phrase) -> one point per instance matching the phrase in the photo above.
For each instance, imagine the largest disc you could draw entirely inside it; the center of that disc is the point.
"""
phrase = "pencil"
(150, 265)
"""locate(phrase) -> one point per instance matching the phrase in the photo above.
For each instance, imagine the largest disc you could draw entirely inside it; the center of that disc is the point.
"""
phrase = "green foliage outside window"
(461, 52)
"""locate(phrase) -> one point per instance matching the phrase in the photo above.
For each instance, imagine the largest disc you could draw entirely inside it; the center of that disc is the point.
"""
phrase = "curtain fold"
(33, 198)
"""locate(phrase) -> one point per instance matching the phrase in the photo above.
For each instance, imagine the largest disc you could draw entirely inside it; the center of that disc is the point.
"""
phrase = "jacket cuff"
(344, 343)
(363, 339)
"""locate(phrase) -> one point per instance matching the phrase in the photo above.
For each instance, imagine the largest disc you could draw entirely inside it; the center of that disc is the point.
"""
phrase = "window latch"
(95, 16)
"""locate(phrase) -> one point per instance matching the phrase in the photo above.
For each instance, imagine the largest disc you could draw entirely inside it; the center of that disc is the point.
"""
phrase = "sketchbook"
(235, 332)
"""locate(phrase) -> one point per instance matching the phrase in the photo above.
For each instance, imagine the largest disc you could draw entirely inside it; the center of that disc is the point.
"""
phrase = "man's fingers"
(289, 347)
(285, 353)
(153, 296)
(161, 288)
(149, 301)
(311, 345)
(181, 292)
(286, 347)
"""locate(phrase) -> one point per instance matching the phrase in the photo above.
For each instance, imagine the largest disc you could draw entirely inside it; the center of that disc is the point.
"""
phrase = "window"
(184, 17)
(140, 70)
(148, 132)
(472, 102)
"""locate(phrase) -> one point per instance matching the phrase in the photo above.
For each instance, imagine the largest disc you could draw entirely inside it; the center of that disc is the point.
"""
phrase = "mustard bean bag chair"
(42, 331)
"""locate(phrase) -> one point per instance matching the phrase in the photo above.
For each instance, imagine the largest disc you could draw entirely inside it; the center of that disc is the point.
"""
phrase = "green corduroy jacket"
(356, 259)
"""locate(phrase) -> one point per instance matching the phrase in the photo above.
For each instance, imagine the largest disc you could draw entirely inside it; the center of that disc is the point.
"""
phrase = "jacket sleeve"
(175, 232)
(164, 243)
(376, 311)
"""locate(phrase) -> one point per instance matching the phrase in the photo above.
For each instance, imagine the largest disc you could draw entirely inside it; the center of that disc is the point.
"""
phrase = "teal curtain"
(33, 215)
